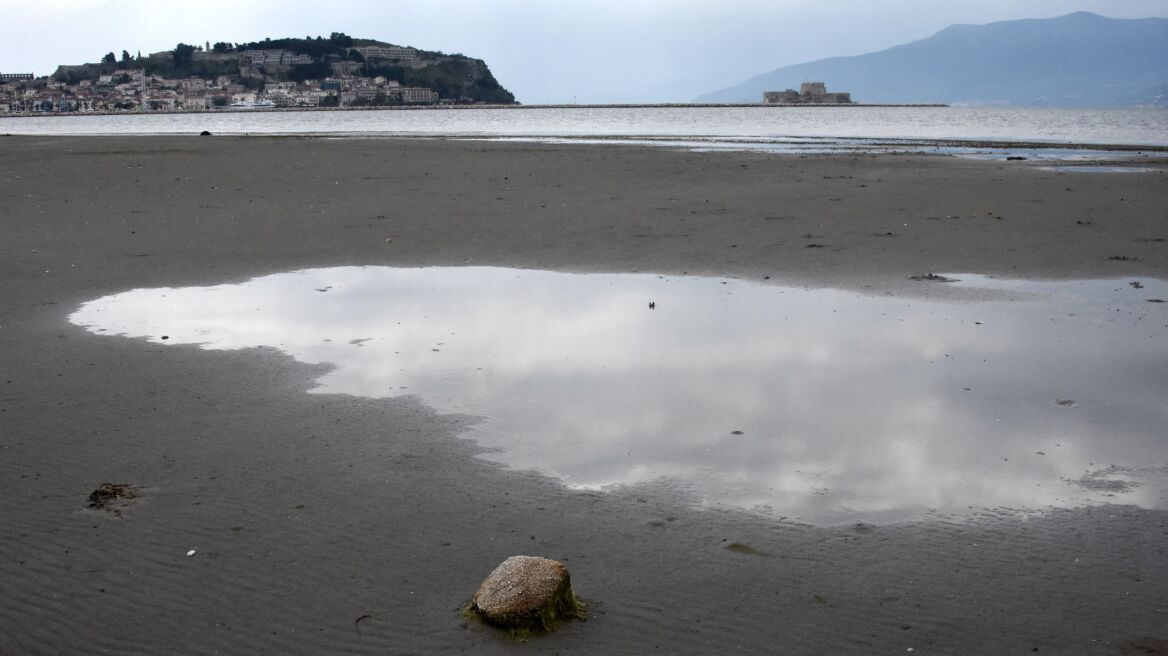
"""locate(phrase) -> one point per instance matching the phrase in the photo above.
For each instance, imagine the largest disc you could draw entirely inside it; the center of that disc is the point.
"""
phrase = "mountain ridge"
(1079, 59)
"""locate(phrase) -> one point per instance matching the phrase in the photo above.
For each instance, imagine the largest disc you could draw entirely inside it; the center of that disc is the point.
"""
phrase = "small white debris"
(190, 553)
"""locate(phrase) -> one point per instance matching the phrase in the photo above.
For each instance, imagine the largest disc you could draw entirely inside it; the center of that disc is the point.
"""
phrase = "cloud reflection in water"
(823, 405)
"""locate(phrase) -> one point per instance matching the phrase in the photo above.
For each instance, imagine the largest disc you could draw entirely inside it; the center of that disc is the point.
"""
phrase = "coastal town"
(133, 89)
(225, 77)
(337, 72)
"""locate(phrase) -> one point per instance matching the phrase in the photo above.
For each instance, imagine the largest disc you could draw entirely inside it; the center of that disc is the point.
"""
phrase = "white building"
(387, 52)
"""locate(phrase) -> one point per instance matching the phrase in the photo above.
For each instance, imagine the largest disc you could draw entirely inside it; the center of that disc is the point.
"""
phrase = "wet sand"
(332, 524)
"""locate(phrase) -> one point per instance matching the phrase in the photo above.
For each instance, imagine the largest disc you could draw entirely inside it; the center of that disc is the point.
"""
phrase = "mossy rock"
(527, 594)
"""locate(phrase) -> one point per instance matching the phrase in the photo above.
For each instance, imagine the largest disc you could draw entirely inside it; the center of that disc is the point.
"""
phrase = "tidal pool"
(823, 406)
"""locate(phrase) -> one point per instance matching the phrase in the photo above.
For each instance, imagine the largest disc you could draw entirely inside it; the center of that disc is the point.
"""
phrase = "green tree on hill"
(125, 56)
(183, 56)
(109, 58)
(302, 72)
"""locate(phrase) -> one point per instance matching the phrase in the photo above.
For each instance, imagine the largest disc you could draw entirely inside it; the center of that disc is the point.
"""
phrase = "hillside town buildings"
(131, 89)
(270, 58)
(387, 52)
(808, 93)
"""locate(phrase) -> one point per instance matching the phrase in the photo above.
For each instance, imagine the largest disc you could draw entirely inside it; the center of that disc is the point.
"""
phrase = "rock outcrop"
(527, 594)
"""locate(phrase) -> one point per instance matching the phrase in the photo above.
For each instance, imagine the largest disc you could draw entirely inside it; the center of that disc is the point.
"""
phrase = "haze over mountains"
(1081, 59)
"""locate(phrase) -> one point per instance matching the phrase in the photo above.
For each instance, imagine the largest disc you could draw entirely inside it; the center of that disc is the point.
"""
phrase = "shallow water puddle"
(1098, 169)
(821, 405)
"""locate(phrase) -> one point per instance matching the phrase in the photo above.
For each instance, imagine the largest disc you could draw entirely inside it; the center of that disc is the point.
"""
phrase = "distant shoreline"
(708, 105)
(460, 107)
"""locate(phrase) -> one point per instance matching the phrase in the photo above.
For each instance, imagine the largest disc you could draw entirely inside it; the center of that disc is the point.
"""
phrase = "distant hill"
(1076, 60)
(452, 76)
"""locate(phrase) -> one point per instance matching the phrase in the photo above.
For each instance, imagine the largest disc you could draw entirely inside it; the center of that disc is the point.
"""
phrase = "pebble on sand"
(527, 594)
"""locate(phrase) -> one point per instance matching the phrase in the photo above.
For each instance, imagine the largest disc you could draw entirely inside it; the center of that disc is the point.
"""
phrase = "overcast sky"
(541, 50)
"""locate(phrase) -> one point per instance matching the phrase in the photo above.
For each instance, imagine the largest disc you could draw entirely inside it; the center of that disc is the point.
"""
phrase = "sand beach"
(347, 525)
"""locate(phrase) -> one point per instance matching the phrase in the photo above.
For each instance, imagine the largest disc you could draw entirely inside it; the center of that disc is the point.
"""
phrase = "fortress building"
(810, 93)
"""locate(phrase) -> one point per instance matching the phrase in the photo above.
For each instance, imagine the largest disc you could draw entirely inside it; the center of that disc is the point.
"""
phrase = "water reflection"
(1099, 169)
(821, 405)
(856, 146)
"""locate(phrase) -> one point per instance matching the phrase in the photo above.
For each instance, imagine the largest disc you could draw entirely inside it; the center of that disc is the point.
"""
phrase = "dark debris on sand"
(932, 277)
(109, 496)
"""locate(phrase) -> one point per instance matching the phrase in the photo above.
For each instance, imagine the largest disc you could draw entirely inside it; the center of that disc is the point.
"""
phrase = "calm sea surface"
(717, 127)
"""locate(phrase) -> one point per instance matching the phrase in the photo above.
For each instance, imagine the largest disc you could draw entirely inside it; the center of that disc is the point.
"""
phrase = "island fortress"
(809, 93)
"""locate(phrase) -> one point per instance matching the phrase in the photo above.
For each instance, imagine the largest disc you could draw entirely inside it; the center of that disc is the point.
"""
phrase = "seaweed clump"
(932, 277)
(109, 496)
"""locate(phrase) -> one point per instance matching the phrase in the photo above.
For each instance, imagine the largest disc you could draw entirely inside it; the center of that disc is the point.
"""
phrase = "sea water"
(775, 128)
